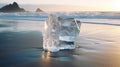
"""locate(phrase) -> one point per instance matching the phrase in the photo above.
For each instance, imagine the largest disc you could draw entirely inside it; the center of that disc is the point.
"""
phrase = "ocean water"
(98, 43)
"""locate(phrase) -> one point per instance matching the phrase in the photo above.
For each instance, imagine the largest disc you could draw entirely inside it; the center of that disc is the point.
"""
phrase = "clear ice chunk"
(60, 33)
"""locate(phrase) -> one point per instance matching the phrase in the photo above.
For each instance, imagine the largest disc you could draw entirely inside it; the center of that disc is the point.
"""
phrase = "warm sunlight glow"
(46, 59)
(116, 6)
(46, 56)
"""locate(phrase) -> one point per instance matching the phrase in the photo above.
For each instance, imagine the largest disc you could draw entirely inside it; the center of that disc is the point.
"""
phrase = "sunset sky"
(68, 5)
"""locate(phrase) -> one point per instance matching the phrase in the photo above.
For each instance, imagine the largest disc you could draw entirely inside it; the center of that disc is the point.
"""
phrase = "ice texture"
(60, 33)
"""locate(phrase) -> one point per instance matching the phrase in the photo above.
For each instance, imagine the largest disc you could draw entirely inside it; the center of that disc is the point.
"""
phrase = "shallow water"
(21, 46)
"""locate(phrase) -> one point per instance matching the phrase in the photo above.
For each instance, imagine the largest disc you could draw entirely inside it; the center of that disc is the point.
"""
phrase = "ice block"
(60, 33)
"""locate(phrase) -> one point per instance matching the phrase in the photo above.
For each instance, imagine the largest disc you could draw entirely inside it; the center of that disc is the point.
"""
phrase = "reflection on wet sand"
(20, 43)
(46, 59)
(46, 56)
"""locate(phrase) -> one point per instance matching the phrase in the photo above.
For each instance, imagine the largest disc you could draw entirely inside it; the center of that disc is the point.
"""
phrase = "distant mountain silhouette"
(12, 8)
(39, 10)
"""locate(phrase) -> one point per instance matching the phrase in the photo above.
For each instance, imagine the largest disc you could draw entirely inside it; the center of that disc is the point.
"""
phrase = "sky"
(68, 5)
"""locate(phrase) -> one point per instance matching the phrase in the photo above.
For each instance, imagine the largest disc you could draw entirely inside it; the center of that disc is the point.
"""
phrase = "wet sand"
(21, 46)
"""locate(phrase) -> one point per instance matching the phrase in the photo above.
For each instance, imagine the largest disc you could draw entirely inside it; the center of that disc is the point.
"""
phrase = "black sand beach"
(21, 46)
